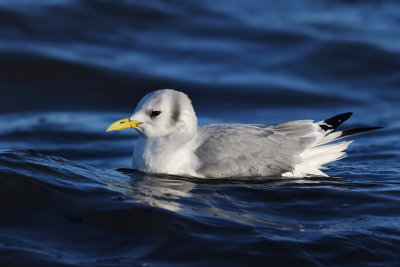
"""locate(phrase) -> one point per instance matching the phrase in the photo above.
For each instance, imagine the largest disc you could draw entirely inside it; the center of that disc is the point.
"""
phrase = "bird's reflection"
(162, 191)
(170, 192)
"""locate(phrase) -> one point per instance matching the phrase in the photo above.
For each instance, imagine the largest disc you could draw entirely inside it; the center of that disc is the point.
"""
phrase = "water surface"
(70, 68)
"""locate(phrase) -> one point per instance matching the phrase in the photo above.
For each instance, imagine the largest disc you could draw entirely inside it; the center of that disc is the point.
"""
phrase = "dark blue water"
(69, 68)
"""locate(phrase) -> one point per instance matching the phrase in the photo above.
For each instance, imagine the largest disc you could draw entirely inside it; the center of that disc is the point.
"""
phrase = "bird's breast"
(150, 156)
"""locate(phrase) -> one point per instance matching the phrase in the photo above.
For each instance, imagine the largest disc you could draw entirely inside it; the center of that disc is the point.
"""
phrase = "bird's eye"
(154, 113)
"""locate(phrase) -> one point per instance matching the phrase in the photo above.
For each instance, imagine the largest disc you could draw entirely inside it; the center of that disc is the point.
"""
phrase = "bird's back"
(227, 150)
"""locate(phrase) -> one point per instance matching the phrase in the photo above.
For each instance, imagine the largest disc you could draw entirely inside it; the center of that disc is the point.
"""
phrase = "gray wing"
(228, 150)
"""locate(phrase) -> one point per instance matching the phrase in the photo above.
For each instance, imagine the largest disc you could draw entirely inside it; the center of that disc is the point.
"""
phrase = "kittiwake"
(171, 142)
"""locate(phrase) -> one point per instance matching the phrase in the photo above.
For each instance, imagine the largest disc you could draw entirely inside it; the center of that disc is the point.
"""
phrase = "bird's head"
(161, 113)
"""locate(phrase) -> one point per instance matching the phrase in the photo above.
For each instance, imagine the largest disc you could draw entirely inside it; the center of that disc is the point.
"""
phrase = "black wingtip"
(336, 121)
(354, 131)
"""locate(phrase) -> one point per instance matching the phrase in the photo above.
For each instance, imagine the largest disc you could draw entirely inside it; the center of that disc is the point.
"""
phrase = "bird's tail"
(326, 149)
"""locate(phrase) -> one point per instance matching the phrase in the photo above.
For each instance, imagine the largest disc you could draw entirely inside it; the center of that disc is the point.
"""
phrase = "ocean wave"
(69, 68)
(64, 212)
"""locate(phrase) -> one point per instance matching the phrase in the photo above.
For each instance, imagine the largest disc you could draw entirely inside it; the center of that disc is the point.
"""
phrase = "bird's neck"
(169, 142)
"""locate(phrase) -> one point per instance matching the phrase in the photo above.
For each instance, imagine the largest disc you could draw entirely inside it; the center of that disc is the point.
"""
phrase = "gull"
(171, 142)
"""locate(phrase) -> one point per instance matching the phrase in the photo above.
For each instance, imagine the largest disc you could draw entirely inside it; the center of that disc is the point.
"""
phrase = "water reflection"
(228, 198)
(154, 190)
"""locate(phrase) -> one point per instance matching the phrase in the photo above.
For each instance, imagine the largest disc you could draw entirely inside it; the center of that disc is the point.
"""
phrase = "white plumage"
(171, 142)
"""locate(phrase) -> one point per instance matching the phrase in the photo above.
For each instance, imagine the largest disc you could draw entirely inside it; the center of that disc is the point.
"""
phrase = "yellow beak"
(123, 124)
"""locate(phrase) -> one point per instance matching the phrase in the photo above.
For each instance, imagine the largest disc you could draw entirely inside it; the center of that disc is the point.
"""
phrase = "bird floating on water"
(171, 142)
